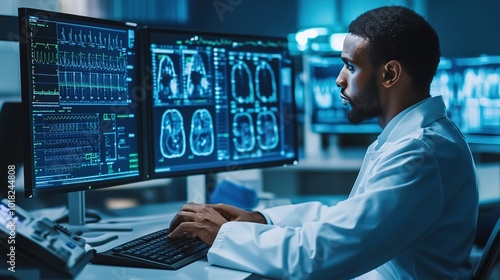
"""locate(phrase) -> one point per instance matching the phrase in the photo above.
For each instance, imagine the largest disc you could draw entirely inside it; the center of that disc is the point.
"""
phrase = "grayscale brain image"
(173, 136)
(201, 139)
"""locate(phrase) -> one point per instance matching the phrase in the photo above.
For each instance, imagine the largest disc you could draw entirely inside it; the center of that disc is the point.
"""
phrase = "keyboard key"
(155, 250)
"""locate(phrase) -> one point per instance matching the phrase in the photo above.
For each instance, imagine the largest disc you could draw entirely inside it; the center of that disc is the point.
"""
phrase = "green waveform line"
(226, 42)
(95, 60)
(91, 86)
(46, 92)
(70, 117)
(45, 45)
(44, 58)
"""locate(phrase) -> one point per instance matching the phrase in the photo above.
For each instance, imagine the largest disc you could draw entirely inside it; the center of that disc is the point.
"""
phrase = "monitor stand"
(77, 222)
(100, 233)
(196, 189)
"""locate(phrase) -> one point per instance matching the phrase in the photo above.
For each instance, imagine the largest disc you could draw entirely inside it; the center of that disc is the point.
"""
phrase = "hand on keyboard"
(232, 213)
(197, 220)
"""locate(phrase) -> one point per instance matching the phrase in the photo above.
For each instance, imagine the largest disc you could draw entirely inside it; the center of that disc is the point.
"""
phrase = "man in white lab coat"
(412, 211)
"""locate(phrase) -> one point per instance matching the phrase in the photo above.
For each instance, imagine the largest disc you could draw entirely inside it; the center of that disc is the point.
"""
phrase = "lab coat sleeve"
(296, 214)
(402, 200)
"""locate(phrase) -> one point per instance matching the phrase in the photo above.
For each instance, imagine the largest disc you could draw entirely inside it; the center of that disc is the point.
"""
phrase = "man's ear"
(392, 73)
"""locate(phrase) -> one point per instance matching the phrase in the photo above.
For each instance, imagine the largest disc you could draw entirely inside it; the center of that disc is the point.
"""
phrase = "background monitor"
(328, 114)
(471, 90)
(81, 111)
(218, 102)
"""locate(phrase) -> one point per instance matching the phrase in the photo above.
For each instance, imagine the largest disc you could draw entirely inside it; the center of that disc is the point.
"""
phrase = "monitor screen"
(471, 90)
(328, 114)
(81, 111)
(218, 102)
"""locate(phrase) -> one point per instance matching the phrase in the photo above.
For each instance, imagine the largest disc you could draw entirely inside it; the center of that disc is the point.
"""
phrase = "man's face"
(358, 80)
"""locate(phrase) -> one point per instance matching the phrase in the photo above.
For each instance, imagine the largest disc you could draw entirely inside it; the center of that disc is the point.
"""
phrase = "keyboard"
(154, 250)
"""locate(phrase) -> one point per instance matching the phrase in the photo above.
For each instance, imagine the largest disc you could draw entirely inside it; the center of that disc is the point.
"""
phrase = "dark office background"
(466, 27)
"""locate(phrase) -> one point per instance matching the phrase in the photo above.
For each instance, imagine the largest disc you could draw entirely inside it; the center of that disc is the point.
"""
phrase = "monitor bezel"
(233, 165)
(30, 189)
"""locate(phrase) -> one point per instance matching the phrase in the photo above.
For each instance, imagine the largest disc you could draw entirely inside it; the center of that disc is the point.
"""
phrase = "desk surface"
(143, 220)
(198, 270)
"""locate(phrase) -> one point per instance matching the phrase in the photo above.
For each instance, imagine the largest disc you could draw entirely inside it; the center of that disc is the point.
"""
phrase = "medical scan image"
(201, 138)
(442, 84)
(172, 137)
(265, 83)
(241, 83)
(243, 131)
(325, 92)
(267, 130)
(197, 83)
(167, 80)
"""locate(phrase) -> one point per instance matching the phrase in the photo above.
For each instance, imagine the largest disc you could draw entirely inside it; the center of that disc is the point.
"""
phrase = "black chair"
(489, 263)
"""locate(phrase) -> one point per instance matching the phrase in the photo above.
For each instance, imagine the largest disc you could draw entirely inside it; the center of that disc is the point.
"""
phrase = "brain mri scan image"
(265, 83)
(197, 83)
(172, 137)
(202, 133)
(267, 130)
(167, 80)
(243, 131)
(241, 83)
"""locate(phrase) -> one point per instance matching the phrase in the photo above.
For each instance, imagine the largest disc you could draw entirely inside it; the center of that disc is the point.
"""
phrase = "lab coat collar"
(412, 118)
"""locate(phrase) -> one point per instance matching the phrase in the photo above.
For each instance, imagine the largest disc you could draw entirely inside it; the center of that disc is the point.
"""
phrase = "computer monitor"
(471, 89)
(443, 82)
(218, 102)
(81, 103)
(327, 113)
(477, 100)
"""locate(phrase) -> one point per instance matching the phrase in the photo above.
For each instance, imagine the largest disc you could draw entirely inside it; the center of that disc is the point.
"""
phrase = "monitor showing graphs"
(78, 76)
(218, 102)
(471, 90)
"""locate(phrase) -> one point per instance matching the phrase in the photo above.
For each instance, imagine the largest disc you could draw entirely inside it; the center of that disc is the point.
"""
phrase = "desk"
(198, 270)
(143, 220)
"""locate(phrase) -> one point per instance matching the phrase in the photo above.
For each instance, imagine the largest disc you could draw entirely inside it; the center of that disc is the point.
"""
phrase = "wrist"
(258, 217)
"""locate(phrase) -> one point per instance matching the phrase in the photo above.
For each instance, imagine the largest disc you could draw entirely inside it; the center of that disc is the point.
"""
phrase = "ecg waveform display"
(232, 43)
(75, 147)
(65, 142)
(74, 64)
(79, 80)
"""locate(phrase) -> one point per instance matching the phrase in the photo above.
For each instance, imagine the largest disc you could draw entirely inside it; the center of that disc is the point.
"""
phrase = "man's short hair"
(399, 33)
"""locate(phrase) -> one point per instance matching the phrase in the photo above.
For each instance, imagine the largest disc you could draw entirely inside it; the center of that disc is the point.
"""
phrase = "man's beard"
(365, 105)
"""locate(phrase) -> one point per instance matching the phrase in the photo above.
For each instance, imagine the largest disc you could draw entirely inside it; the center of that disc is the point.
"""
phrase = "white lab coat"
(411, 214)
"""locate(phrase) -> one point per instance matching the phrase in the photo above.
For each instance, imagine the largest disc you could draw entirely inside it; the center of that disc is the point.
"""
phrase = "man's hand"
(232, 213)
(197, 220)
(205, 220)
